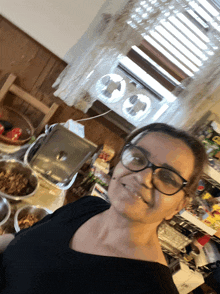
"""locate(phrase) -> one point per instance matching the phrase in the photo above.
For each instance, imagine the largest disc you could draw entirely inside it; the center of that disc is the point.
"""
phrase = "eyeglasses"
(165, 180)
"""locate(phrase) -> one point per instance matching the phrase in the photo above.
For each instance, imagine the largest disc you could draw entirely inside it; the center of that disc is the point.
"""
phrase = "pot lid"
(61, 155)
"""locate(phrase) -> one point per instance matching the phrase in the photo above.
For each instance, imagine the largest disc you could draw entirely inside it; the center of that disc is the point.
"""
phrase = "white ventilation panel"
(134, 103)
(111, 88)
(136, 107)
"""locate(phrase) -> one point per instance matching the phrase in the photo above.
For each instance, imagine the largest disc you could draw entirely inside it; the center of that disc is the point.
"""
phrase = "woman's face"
(128, 190)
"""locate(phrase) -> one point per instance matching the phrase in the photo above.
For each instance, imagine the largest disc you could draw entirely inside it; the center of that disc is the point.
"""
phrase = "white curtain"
(97, 53)
(119, 25)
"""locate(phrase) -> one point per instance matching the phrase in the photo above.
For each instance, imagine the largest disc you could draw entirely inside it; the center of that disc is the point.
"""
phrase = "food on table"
(14, 134)
(27, 221)
(14, 183)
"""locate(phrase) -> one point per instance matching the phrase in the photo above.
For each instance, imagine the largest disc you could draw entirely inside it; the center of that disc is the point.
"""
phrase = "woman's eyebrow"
(171, 167)
(148, 153)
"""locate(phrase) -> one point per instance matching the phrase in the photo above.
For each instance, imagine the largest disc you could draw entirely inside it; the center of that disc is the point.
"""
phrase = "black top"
(39, 260)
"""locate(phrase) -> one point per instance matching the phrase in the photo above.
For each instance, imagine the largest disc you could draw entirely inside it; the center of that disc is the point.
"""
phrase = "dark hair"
(198, 150)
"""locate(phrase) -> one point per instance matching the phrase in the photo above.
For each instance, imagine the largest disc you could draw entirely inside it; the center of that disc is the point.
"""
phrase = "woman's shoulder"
(89, 203)
(82, 206)
(154, 253)
(160, 258)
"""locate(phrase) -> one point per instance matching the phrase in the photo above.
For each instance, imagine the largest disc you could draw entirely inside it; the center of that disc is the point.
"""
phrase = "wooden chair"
(9, 86)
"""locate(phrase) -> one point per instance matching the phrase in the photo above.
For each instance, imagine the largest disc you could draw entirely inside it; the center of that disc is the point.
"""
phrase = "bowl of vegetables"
(17, 180)
(28, 215)
(15, 128)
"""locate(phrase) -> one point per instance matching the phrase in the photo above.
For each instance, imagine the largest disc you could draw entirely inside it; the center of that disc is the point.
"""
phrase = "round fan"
(111, 88)
(136, 107)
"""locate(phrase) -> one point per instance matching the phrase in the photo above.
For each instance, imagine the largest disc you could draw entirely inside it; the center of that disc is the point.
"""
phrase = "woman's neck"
(112, 229)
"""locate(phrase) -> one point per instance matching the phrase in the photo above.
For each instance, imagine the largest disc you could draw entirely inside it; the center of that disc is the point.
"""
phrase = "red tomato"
(14, 134)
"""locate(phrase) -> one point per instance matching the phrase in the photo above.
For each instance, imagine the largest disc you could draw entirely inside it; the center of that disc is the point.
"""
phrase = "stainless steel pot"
(14, 165)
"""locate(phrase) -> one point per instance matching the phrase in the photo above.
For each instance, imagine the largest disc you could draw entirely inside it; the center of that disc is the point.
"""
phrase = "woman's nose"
(145, 177)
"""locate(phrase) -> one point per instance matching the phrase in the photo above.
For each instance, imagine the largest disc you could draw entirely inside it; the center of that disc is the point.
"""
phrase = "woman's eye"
(168, 178)
(134, 158)
(138, 160)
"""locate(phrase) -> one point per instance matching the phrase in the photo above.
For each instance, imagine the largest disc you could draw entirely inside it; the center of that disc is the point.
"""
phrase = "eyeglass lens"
(165, 180)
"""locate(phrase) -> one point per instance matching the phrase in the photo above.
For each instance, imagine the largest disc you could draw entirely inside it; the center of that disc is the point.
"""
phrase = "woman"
(90, 246)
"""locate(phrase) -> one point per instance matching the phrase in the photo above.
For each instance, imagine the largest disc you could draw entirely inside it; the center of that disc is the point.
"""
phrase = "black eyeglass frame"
(152, 166)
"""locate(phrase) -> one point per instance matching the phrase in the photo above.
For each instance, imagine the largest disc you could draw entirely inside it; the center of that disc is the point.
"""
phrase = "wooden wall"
(37, 69)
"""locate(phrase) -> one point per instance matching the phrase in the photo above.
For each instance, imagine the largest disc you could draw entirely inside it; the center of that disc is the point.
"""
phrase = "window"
(176, 49)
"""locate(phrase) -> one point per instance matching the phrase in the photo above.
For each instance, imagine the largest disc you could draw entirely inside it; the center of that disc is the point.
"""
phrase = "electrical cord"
(94, 116)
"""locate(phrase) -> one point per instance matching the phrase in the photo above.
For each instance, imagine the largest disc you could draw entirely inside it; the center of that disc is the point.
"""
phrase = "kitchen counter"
(47, 196)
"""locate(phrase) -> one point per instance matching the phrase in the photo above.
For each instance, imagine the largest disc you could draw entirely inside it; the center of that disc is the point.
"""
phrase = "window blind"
(178, 47)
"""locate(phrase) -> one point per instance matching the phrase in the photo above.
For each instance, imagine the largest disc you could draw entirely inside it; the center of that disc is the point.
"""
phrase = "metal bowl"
(14, 165)
(38, 212)
(18, 120)
(5, 210)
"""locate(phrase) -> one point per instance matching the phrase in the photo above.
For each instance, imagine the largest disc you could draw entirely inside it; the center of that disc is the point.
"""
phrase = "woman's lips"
(133, 191)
